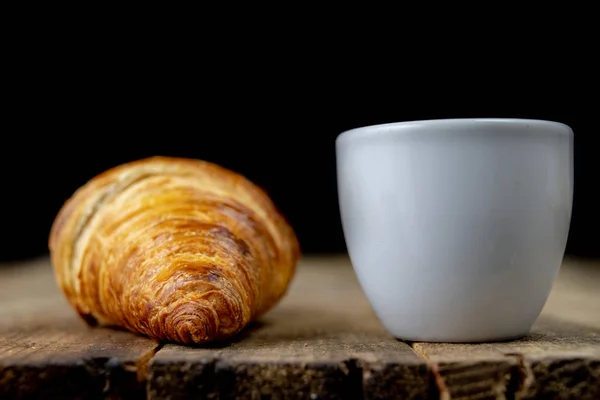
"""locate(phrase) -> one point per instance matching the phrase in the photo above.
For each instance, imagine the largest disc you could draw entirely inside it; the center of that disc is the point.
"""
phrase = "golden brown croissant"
(176, 249)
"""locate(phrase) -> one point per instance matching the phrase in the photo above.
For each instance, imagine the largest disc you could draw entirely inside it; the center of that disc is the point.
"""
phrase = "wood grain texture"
(321, 342)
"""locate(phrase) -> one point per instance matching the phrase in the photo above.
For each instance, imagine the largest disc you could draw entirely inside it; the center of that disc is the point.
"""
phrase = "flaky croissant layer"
(176, 249)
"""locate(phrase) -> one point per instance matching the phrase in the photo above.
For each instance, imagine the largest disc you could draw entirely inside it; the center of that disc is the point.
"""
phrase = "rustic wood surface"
(322, 342)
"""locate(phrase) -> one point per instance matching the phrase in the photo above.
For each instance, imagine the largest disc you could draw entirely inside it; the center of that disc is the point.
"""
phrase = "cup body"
(456, 228)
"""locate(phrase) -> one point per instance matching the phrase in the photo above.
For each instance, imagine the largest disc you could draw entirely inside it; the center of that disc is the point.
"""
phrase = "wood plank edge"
(558, 377)
(515, 376)
(110, 377)
(511, 376)
(349, 378)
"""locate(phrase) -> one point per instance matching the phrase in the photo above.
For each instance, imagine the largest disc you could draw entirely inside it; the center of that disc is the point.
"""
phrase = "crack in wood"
(142, 363)
(440, 383)
(418, 350)
(436, 379)
(466, 379)
(522, 377)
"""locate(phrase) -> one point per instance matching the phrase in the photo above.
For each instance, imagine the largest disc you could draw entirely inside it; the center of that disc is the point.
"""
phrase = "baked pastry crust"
(176, 249)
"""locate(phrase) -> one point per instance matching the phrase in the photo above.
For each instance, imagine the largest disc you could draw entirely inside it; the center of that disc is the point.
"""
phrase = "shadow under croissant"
(216, 344)
(296, 325)
(243, 335)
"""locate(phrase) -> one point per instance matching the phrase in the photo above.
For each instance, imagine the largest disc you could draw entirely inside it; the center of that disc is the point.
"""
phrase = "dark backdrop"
(66, 122)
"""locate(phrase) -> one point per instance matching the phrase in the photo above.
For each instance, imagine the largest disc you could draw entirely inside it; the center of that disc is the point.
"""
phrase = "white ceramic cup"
(456, 228)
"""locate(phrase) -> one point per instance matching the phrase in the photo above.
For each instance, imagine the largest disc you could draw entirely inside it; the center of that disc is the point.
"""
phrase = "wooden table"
(322, 342)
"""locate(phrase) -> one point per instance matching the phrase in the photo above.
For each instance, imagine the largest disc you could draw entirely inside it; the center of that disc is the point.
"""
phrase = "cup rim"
(393, 128)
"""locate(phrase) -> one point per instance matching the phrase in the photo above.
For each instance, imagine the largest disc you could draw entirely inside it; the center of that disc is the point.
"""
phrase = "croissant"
(176, 249)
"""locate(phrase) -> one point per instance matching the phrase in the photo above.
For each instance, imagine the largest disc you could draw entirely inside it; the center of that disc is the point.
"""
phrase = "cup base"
(462, 340)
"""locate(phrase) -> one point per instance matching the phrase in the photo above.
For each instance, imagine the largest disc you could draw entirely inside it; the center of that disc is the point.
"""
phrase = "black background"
(74, 110)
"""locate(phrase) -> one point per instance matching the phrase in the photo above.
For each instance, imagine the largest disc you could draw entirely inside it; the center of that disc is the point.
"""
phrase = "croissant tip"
(191, 323)
(191, 332)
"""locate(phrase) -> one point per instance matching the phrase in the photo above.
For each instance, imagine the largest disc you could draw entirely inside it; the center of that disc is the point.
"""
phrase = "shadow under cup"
(456, 228)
